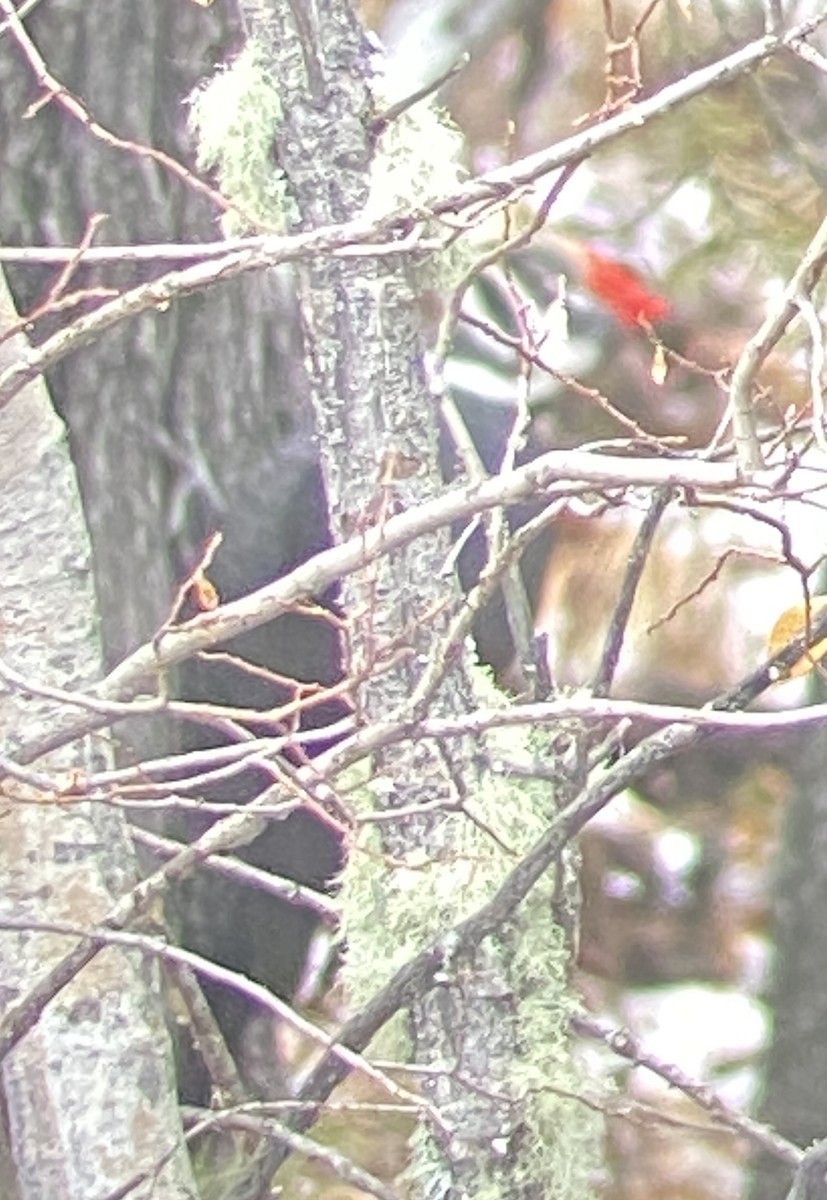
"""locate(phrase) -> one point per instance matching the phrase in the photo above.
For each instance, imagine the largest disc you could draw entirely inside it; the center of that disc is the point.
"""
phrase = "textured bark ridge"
(377, 434)
(89, 1094)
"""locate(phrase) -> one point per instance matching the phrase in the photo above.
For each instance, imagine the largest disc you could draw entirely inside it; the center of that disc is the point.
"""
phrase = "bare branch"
(54, 90)
(419, 974)
(622, 1042)
(162, 252)
(550, 475)
(268, 1127)
(638, 557)
(395, 110)
(23, 11)
(208, 1037)
(808, 312)
(98, 937)
(233, 868)
(360, 234)
(741, 411)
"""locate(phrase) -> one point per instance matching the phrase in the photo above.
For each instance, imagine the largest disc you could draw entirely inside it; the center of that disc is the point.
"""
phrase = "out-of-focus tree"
(173, 434)
(89, 1094)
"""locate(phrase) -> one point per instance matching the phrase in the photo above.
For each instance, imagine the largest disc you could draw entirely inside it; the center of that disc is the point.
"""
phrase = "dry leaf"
(660, 366)
(792, 623)
(204, 592)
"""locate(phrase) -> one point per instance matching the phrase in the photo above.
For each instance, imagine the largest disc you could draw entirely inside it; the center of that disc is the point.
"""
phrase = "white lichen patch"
(419, 156)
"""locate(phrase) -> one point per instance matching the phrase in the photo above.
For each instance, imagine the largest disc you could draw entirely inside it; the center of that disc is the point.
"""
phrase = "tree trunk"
(181, 423)
(794, 1099)
(377, 428)
(89, 1095)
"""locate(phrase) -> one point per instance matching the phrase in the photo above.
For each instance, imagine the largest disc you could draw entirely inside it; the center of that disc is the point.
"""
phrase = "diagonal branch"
(419, 974)
(638, 557)
(556, 470)
(740, 409)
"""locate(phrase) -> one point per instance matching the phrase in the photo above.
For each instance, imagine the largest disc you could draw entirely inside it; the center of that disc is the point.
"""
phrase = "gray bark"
(794, 1099)
(89, 1095)
(156, 411)
(181, 423)
(375, 420)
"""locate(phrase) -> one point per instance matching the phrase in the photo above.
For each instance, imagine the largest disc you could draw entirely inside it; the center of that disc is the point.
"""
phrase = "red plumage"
(622, 289)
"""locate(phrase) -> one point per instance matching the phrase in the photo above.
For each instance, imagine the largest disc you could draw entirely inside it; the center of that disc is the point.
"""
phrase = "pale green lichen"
(391, 911)
(234, 117)
(419, 155)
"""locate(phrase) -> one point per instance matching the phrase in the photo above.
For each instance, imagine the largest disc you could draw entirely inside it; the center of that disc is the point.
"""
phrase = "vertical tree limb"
(89, 1094)
(377, 431)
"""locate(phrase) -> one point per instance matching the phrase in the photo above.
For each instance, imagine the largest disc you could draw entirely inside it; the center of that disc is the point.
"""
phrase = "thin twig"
(54, 90)
(552, 474)
(56, 299)
(208, 1038)
(478, 596)
(154, 252)
(740, 409)
(394, 111)
(808, 312)
(104, 935)
(538, 359)
(622, 1042)
(417, 976)
(636, 563)
(241, 872)
(522, 238)
(350, 1172)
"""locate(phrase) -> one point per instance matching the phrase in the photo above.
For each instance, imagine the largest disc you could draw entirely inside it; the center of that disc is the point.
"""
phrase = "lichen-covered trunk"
(376, 425)
(89, 1095)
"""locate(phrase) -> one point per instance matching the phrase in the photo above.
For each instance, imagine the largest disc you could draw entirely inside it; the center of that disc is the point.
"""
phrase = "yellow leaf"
(791, 624)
